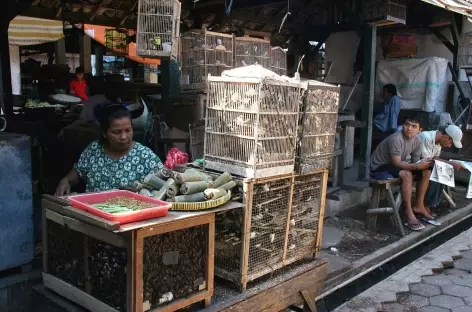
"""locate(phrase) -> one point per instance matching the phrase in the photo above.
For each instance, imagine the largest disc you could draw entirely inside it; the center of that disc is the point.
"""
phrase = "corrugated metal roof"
(463, 7)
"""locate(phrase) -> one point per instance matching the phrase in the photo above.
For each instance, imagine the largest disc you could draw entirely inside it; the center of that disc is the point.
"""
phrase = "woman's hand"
(63, 188)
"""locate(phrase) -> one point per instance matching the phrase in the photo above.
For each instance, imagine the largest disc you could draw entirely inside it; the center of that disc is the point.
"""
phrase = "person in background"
(390, 160)
(89, 110)
(387, 120)
(431, 144)
(116, 160)
(78, 86)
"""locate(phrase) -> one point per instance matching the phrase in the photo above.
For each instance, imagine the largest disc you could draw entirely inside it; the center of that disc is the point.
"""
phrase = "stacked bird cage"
(252, 51)
(280, 224)
(197, 137)
(317, 129)
(204, 53)
(116, 40)
(251, 126)
(158, 28)
(278, 61)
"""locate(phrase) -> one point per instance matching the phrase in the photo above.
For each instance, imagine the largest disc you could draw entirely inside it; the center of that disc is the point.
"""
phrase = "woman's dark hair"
(108, 114)
(79, 70)
(390, 88)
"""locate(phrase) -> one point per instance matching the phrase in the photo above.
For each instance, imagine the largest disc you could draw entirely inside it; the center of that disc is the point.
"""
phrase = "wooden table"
(74, 243)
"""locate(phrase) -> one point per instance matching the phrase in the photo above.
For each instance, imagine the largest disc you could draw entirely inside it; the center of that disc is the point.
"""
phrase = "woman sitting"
(387, 120)
(114, 161)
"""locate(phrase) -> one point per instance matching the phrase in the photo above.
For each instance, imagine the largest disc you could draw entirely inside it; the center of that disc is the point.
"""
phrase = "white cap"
(456, 134)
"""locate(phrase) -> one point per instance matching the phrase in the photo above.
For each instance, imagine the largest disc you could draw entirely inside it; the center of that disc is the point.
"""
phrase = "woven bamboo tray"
(201, 205)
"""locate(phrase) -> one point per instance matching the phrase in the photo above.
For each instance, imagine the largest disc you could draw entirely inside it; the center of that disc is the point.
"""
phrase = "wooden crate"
(109, 270)
(265, 235)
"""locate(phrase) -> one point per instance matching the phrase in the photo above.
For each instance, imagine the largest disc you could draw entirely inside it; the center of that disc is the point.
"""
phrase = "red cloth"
(79, 87)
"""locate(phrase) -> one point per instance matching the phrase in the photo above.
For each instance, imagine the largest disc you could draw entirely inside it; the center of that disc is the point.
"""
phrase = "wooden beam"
(443, 39)
(97, 9)
(129, 12)
(370, 42)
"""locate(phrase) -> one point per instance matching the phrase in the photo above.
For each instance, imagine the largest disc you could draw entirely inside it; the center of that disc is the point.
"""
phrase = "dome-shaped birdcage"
(116, 40)
(158, 28)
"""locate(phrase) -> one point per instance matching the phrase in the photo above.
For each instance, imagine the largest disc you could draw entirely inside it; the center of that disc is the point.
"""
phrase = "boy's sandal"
(414, 226)
(431, 221)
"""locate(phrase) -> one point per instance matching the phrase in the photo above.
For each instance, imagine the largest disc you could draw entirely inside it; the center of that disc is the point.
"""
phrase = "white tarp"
(421, 82)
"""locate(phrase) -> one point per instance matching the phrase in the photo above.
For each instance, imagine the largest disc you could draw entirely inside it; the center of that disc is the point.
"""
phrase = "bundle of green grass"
(190, 186)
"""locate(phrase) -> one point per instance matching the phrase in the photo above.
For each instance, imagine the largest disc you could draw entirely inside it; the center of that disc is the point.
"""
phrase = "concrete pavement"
(440, 281)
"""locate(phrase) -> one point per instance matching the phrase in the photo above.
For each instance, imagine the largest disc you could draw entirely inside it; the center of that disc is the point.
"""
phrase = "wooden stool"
(378, 187)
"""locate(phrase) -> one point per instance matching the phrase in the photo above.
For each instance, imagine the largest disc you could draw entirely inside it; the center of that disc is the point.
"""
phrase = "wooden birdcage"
(197, 138)
(465, 51)
(204, 53)
(158, 28)
(251, 126)
(384, 12)
(280, 224)
(317, 128)
(116, 40)
(252, 51)
(278, 60)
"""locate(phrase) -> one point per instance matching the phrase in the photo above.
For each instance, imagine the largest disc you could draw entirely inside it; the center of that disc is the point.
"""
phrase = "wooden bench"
(394, 201)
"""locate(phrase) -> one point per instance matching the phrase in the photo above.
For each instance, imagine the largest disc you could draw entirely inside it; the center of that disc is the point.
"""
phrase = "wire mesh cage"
(305, 216)
(158, 28)
(197, 138)
(204, 53)
(116, 40)
(465, 51)
(384, 12)
(317, 130)
(251, 51)
(278, 61)
(251, 126)
(259, 239)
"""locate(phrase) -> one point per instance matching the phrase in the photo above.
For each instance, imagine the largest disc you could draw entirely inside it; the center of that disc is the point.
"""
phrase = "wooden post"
(60, 51)
(370, 41)
(5, 75)
(86, 53)
(15, 61)
(99, 59)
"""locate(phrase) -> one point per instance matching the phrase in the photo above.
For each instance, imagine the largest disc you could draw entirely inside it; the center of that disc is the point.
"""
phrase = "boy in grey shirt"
(391, 156)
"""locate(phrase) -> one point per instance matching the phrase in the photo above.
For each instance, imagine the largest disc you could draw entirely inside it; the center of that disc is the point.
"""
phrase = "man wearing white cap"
(431, 144)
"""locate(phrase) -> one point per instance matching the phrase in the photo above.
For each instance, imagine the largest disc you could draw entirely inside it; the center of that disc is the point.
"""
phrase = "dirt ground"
(358, 242)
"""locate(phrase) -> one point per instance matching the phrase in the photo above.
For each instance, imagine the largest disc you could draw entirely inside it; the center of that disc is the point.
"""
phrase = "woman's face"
(120, 134)
(386, 95)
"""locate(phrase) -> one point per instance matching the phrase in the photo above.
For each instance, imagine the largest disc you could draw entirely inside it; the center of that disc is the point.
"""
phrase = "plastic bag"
(175, 157)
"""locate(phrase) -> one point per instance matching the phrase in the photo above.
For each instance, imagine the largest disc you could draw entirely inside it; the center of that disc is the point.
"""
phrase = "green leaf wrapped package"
(223, 178)
(193, 198)
(214, 193)
(194, 187)
(228, 186)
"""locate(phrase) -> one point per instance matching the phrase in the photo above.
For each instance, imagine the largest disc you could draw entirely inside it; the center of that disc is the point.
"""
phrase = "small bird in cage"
(219, 45)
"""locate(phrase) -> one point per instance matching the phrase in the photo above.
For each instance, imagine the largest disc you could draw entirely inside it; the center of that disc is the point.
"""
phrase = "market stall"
(164, 263)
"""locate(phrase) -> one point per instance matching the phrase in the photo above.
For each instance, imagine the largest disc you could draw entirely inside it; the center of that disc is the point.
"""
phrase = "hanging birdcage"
(116, 40)
(384, 12)
(158, 28)
(278, 61)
